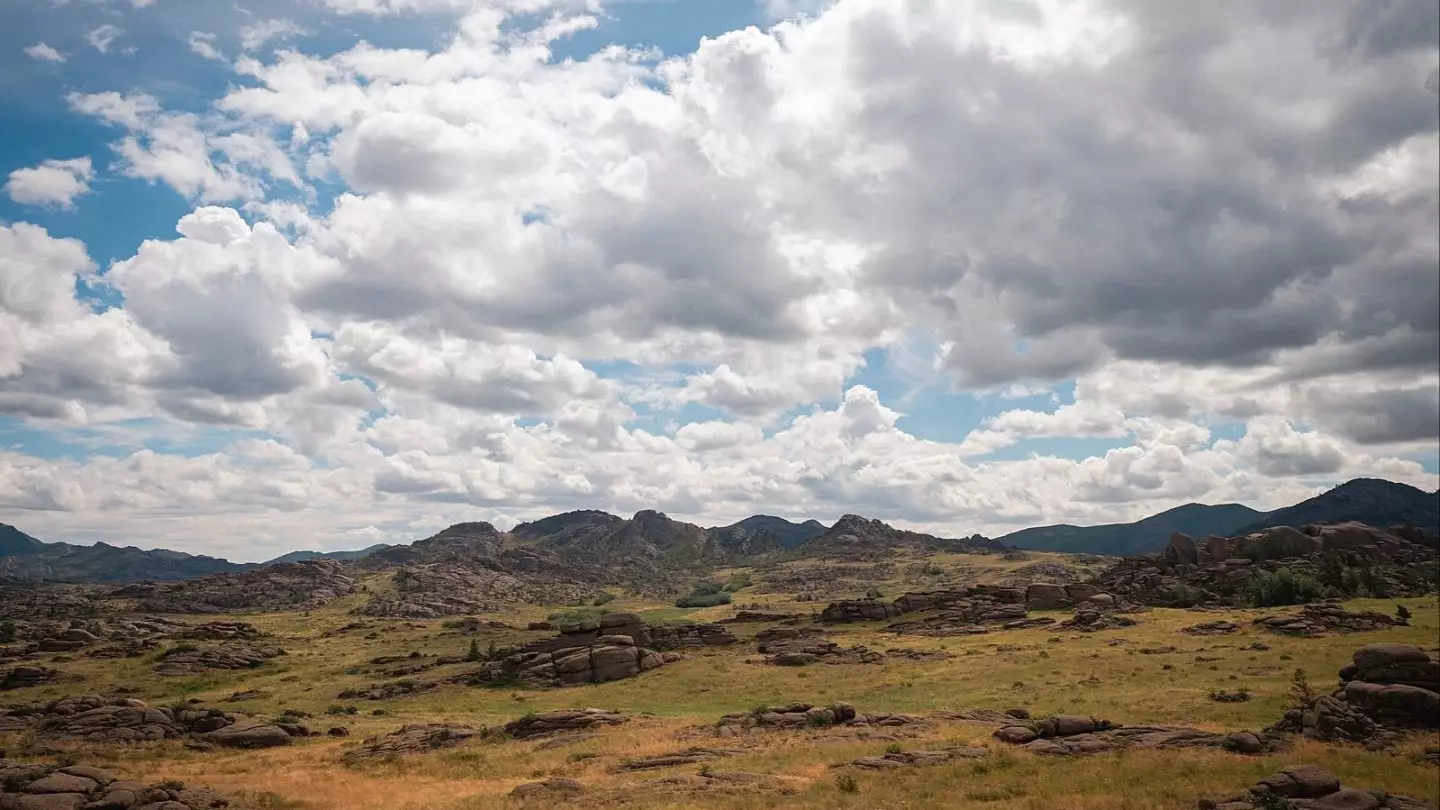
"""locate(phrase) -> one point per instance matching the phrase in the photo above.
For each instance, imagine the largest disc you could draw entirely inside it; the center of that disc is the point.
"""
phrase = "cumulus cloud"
(44, 53)
(203, 43)
(1216, 221)
(257, 34)
(55, 183)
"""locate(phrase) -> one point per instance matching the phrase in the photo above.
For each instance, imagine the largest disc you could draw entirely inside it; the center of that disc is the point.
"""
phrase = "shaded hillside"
(1364, 500)
(339, 556)
(759, 534)
(1142, 536)
(24, 558)
(14, 542)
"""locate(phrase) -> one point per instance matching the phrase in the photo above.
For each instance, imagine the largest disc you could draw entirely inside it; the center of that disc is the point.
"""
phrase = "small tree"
(1402, 614)
(474, 654)
(1301, 695)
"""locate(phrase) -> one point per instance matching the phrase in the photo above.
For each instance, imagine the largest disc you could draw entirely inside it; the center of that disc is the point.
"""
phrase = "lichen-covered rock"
(23, 677)
(1325, 618)
(565, 720)
(416, 738)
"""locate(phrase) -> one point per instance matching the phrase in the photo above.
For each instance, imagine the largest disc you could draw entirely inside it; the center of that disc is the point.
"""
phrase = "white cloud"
(203, 44)
(44, 53)
(538, 266)
(55, 183)
(102, 37)
(257, 34)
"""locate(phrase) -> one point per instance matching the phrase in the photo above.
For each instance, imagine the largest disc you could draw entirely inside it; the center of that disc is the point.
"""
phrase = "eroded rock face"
(557, 722)
(26, 786)
(1311, 787)
(417, 738)
(794, 647)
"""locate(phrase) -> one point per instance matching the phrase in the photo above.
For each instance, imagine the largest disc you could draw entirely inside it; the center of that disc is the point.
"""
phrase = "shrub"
(845, 783)
(604, 599)
(1285, 587)
(1182, 596)
(1402, 614)
(1273, 801)
(575, 616)
(1301, 695)
(473, 654)
(738, 581)
(339, 710)
(7, 631)
(703, 600)
(893, 748)
(874, 593)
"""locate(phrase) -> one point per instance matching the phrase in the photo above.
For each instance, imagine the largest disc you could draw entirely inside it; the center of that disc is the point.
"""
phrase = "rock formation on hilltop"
(856, 538)
(287, 586)
(1345, 559)
(762, 534)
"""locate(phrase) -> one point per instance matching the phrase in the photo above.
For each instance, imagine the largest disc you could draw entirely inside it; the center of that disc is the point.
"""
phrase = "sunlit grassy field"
(1045, 670)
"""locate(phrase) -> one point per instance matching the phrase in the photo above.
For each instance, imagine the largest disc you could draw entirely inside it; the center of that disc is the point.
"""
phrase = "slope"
(1140, 537)
(1366, 500)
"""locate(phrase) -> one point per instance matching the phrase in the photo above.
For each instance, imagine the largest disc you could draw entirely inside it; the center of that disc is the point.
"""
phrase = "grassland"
(1045, 670)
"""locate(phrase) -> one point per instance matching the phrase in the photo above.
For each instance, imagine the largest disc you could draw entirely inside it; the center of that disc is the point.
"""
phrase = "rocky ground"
(928, 692)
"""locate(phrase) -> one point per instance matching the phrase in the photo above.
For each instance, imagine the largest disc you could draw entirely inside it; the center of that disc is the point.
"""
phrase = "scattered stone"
(546, 723)
(304, 585)
(1311, 787)
(416, 738)
(222, 631)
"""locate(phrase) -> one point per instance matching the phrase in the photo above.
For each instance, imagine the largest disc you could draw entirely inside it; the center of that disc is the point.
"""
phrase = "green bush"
(575, 616)
(1285, 587)
(703, 600)
(737, 581)
(845, 783)
(1182, 596)
(604, 599)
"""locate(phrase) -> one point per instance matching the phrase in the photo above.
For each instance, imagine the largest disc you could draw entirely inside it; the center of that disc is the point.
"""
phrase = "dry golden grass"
(1045, 670)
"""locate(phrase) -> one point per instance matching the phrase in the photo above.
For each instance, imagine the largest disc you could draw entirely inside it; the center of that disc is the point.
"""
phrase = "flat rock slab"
(911, 759)
(417, 738)
(568, 720)
(689, 756)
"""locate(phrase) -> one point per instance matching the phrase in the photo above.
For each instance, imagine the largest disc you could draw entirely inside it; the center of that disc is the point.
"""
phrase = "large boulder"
(1041, 596)
(555, 722)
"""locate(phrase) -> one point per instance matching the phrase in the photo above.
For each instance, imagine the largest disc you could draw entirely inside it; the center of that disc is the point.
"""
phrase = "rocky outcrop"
(41, 602)
(1323, 619)
(807, 715)
(285, 586)
(1346, 557)
(429, 591)
(189, 660)
(803, 646)
(220, 631)
(958, 611)
(1386, 687)
(417, 738)
(855, 538)
(1089, 620)
(607, 657)
(27, 786)
(690, 635)
(758, 616)
(558, 722)
(389, 690)
(1076, 735)
(100, 719)
(25, 676)
(1311, 787)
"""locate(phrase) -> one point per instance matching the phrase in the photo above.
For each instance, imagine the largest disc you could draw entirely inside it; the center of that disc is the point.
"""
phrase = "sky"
(326, 273)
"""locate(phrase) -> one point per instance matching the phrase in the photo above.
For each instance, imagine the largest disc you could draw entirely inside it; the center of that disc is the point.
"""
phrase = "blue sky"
(928, 359)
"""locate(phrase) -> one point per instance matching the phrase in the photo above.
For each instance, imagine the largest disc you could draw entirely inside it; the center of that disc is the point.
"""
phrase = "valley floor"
(1045, 670)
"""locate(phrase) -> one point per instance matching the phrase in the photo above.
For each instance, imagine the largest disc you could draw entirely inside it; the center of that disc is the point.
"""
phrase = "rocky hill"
(1140, 537)
(287, 586)
(856, 538)
(339, 556)
(1363, 500)
(24, 558)
(759, 534)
